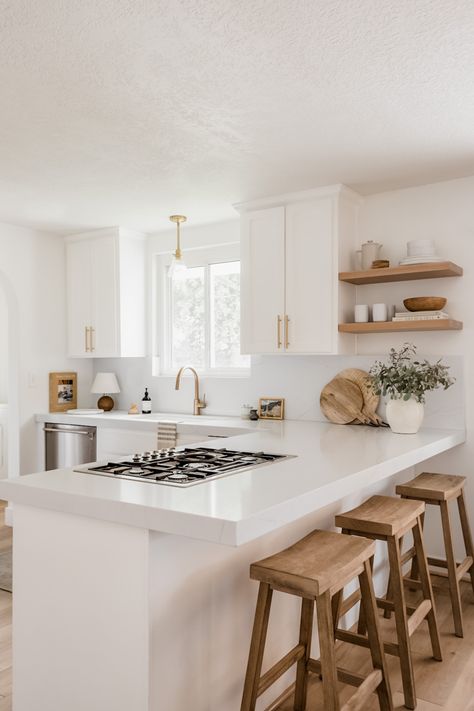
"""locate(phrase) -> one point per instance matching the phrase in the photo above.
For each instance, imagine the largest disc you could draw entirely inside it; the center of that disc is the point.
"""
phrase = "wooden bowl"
(425, 303)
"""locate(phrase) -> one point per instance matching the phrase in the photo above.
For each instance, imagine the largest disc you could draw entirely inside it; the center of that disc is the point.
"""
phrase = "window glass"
(201, 325)
(224, 284)
(187, 323)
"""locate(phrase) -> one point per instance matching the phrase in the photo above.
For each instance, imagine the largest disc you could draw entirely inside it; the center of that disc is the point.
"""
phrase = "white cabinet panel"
(262, 280)
(106, 294)
(79, 298)
(105, 336)
(310, 283)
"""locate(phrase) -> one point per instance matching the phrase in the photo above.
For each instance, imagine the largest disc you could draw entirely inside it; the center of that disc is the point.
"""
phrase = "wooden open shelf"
(408, 273)
(447, 324)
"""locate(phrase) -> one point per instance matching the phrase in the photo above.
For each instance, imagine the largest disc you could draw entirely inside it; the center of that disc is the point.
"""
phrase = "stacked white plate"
(420, 251)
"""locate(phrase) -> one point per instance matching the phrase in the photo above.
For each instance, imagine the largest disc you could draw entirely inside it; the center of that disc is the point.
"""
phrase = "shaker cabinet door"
(310, 269)
(262, 280)
(79, 299)
(105, 307)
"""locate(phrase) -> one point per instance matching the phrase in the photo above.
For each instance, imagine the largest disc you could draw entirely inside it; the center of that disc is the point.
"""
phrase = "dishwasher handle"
(76, 432)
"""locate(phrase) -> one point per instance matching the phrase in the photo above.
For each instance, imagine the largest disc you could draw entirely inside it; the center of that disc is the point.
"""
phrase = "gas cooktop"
(185, 467)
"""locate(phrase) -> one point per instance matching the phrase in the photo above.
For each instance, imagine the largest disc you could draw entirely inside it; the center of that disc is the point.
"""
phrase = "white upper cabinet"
(262, 252)
(292, 250)
(105, 273)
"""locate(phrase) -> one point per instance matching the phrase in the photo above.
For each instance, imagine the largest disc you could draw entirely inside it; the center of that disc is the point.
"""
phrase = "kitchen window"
(200, 324)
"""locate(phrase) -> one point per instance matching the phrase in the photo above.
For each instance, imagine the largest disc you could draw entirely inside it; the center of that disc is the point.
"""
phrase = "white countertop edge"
(186, 423)
(244, 531)
(218, 530)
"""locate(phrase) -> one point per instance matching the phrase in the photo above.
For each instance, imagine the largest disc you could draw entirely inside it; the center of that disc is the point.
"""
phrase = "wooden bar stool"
(439, 490)
(317, 568)
(387, 518)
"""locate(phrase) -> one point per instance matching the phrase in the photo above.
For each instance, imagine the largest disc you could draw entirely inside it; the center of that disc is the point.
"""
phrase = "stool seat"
(381, 515)
(435, 487)
(316, 563)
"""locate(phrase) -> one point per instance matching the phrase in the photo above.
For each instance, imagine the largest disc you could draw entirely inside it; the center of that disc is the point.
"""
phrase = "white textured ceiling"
(125, 111)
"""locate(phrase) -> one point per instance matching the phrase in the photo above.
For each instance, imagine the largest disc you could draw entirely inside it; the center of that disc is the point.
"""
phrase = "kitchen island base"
(108, 616)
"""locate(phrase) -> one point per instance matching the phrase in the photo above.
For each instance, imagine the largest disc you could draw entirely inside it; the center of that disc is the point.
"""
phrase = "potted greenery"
(406, 381)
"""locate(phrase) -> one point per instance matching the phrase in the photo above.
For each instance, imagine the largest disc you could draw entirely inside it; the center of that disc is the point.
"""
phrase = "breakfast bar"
(144, 587)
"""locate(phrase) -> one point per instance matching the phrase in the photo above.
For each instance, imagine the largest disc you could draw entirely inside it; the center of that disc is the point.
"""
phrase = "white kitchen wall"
(3, 349)
(33, 263)
(443, 212)
(299, 379)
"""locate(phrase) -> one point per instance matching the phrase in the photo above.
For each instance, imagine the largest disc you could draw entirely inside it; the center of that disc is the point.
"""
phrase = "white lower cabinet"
(105, 273)
(291, 251)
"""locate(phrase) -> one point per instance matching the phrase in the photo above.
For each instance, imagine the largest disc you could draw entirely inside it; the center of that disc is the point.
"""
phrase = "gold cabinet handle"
(279, 331)
(86, 339)
(92, 339)
(287, 331)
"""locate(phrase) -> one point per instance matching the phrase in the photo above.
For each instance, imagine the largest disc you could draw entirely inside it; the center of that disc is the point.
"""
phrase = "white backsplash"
(298, 379)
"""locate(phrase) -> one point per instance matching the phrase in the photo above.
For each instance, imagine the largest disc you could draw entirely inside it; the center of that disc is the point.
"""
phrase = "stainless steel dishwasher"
(69, 445)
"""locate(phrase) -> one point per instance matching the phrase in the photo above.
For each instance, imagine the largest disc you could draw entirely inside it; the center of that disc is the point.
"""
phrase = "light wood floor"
(440, 686)
(445, 686)
(5, 624)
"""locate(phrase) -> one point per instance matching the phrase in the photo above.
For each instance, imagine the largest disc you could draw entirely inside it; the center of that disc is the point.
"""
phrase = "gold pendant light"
(177, 267)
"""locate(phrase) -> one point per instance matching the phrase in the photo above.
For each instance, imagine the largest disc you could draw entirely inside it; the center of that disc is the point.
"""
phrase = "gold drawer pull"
(279, 331)
(287, 331)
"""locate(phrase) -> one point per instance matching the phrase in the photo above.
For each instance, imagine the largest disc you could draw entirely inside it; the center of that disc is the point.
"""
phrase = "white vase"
(405, 416)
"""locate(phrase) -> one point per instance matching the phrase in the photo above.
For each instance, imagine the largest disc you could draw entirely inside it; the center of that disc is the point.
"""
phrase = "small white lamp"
(105, 383)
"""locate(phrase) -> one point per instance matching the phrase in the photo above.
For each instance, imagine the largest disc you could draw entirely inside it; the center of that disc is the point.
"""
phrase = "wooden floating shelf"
(445, 324)
(407, 273)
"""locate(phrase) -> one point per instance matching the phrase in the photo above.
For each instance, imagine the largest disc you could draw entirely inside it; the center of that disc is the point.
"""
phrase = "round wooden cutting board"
(341, 401)
(371, 400)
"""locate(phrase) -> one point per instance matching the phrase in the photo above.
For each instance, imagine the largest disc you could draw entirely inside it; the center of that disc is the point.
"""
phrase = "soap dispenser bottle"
(146, 403)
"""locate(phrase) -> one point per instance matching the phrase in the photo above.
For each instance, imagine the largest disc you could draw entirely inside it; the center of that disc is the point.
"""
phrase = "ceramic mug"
(379, 312)
(361, 313)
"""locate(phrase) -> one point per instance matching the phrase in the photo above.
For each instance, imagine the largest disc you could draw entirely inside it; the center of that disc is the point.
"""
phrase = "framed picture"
(62, 391)
(271, 408)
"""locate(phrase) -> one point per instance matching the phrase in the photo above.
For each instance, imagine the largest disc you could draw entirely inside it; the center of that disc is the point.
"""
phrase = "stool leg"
(373, 633)
(336, 603)
(427, 589)
(466, 533)
(414, 563)
(362, 624)
(327, 652)
(389, 594)
(401, 622)
(257, 645)
(452, 570)
(306, 632)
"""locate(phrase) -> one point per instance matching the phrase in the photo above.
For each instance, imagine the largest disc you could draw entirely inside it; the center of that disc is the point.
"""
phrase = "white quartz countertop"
(330, 462)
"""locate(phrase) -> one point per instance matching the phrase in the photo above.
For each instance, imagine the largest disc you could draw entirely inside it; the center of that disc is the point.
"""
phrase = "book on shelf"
(420, 315)
(438, 312)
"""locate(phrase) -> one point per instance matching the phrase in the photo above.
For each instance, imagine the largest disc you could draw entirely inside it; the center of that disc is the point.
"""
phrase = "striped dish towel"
(167, 434)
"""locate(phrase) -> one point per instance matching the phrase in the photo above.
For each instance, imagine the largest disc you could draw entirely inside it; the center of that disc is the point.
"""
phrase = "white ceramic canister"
(379, 312)
(361, 313)
(370, 252)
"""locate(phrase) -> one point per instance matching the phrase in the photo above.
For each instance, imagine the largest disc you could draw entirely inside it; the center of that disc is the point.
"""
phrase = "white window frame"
(199, 257)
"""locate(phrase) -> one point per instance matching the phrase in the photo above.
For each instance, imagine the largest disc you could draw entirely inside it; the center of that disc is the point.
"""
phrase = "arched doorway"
(12, 352)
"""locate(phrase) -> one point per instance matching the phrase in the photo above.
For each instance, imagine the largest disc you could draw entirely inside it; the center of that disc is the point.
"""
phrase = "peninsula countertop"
(328, 463)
